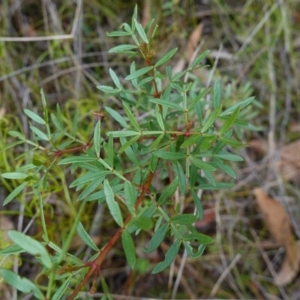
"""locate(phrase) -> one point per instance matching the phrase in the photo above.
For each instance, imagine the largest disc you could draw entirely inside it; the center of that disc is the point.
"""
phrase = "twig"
(95, 264)
(49, 37)
(224, 274)
(268, 262)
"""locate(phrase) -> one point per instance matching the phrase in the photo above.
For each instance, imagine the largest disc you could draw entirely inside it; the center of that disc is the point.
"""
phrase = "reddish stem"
(61, 152)
(96, 263)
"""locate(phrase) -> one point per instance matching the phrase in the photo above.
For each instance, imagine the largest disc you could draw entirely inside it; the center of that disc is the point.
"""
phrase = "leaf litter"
(279, 225)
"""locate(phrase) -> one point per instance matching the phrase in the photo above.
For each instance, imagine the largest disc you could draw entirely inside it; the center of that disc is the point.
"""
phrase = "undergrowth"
(259, 45)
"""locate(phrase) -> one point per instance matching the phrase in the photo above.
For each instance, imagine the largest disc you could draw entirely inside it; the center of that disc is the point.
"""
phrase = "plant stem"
(95, 264)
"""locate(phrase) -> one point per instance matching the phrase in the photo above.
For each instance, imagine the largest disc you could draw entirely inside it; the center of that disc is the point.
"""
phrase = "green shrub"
(169, 127)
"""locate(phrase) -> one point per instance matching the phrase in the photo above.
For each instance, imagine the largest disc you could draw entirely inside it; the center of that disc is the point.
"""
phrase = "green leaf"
(12, 249)
(166, 57)
(153, 163)
(157, 238)
(43, 98)
(130, 197)
(100, 196)
(207, 142)
(77, 159)
(122, 48)
(123, 133)
(12, 145)
(134, 17)
(198, 237)
(148, 211)
(127, 27)
(110, 151)
(17, 134)
(157, 141)
(231, 142)
(39, 133)
(184, 219)
(198, 204)
(199, 97)
(190, 141)
(14, 175)
(202, 164)
(85, 237)
(228, 156)
(116, 116)
(89, 176)
(209, 121)
(108, 89)
(168, 192)
(105, 289)
(240, 104)
(59, 114)
(129, 248)
(131, 117)
(209, 176)
(22, 284)
(118, 33)
(30, 166)
(143, 223)
(227, 169)
(61, 290)
(218, 186)
(112, 204)
(166, 103)
(217, 96)
(34, 116)
(191, 253)
(75, 123)
(181, 177)
(126, 144)
(141, 31)
(138, 73)
(31, 246)
(91, 187)
(168, 155)
(159, 118)
(115, 78)
(228, 123)
(15, 192)
(56, 122)
(97, 138)
(199, 59)
(199, 111)
(169, 257)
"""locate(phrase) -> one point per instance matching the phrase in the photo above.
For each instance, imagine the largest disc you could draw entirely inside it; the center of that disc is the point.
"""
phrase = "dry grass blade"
(51, 37)
(190, 48)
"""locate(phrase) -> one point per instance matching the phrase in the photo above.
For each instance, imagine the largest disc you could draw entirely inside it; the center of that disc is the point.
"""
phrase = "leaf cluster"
(170, 127)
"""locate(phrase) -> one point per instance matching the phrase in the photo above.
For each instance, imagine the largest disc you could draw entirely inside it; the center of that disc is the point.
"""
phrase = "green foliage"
(168, 127)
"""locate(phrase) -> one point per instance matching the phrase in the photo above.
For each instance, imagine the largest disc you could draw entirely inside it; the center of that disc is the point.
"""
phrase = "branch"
(96, 263)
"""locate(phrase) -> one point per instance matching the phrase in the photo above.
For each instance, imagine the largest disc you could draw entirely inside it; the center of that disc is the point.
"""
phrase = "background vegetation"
(255, 51)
